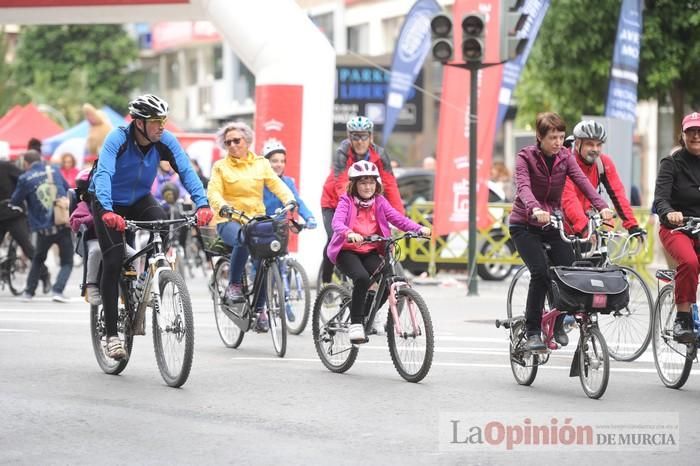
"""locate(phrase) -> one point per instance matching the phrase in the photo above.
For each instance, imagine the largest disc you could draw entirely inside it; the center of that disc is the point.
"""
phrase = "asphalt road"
(247, 406)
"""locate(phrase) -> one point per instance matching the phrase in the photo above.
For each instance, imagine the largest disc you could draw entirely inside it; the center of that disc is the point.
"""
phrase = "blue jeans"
(228, 231)
(64, 241)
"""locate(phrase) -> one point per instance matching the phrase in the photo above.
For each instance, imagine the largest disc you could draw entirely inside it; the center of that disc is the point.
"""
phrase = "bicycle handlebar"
(242, 216)
(160, 225)
(691, 225)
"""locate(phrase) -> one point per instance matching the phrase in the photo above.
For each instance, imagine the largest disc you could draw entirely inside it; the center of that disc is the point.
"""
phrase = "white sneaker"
(379, 323)
(356, 333)
(60, 298)
(93, 295)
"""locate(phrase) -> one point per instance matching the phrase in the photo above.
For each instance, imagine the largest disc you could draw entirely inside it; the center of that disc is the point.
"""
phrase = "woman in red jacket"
(540, 173)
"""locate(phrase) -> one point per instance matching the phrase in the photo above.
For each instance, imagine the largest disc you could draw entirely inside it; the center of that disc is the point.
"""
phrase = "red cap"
(691, 120)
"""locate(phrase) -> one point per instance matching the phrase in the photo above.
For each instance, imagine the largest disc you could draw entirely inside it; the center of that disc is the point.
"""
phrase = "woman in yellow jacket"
(237, 181)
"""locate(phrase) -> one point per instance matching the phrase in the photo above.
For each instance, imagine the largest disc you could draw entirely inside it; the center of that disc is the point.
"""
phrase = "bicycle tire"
(628, 332)
(515, 289)
(329, 325)
(398, 357)
(99, 344)
(299, 296)
(177, 328)
(523, 366)
(673, 360)
(230, 334)
(16, 268)
(593, 351)
(276, 312)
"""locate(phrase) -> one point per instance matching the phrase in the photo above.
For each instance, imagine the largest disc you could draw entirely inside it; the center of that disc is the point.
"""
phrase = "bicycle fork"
(393, 307)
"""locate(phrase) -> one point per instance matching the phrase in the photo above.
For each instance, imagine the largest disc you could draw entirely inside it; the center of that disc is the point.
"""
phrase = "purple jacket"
(384, 213)
(536, 187)
(81, 216)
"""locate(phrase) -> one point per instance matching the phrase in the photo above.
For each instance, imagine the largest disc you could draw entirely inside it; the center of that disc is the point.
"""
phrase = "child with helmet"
(363, 211)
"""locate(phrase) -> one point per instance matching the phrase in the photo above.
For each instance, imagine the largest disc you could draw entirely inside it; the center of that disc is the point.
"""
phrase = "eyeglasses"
(359, 137)
(692, 132)
(235, 141)
(160, 121)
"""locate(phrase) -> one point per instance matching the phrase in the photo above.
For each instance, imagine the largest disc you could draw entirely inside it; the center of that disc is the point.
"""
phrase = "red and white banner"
(278, 115)
(452, 175)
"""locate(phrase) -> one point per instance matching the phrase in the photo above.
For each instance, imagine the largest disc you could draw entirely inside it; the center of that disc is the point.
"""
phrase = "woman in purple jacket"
(540, 173)
(363, 211)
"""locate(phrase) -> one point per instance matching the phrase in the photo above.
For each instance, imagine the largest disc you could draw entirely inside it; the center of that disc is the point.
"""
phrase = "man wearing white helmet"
(589, 137)
(359, 145)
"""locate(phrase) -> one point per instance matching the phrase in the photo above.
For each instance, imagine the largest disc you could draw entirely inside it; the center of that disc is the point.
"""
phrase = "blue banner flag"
(622, 88)
(536, 10)
(412, 47)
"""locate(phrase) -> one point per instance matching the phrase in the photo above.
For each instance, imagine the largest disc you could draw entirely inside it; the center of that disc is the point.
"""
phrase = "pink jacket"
(81, 216)
(384, 212)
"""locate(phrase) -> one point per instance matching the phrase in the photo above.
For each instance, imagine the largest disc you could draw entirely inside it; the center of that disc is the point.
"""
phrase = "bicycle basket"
(589, 289)
(267, 237)
(213, 242)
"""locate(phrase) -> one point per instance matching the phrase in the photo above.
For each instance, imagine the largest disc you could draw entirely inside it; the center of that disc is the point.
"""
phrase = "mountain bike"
(163, 290)
(233, 320)
(673, 359)
(627, 331)
(409, 325)
(591, 360)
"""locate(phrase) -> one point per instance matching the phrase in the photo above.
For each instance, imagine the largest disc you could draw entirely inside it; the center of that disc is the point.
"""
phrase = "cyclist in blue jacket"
(121, 188)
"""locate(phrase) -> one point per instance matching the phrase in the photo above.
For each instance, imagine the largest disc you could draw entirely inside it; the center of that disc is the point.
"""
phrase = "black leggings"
(528, 241)
(359, 267)
(112, 245)
(326, 264)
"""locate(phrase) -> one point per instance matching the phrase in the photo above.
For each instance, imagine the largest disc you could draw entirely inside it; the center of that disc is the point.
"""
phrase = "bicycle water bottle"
(569, 323)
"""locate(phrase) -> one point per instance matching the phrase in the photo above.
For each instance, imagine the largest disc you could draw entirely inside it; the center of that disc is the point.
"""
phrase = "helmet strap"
(142, 132)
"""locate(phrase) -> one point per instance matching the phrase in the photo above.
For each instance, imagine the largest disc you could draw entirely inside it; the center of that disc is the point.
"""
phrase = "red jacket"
(575, 204)
(337, 182)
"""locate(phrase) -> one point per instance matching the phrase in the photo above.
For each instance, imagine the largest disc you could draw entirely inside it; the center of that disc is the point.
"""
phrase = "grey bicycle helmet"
(360, 123)
(148, 106)
(590, 129)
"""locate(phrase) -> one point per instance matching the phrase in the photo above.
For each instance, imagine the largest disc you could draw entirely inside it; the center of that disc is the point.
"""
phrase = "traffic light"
(441, 27)
(512, 22)
(473, 37)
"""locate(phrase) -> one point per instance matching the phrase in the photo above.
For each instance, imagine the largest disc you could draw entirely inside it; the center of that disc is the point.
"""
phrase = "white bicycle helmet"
(590, 129)
(273, 146)
(364, 168)
(148, 106)
(359, 123)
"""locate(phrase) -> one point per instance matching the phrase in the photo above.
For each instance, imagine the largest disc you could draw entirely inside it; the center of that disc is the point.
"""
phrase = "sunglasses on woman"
(235, 141)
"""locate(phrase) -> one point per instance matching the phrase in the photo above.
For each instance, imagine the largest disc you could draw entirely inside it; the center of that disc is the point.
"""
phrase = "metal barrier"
(494, 246)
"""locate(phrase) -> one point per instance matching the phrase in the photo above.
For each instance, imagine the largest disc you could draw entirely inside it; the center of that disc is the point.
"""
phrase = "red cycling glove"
(204, 216)
(114, 221)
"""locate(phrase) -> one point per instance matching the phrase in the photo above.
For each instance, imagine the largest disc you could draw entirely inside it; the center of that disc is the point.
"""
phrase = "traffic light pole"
(473, 67)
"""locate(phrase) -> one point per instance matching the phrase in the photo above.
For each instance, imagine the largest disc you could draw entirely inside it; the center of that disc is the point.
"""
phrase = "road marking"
(17, 330)
(441, 364)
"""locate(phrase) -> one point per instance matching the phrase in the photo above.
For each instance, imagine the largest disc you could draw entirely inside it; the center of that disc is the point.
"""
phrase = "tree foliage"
(7, 86)
(65, 66)
(569, 66)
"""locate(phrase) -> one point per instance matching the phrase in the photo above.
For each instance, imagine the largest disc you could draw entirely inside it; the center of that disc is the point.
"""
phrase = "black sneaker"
(560, 335)
(683, 330)
(534, 343)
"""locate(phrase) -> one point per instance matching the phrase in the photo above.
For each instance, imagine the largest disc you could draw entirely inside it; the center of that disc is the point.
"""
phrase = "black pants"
(19, 230)
(359, 267)
(64, 240)
(326, 264)
(529, 243)
(112, 245)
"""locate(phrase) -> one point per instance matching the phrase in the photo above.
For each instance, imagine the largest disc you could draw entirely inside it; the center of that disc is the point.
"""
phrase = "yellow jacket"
(239, 183)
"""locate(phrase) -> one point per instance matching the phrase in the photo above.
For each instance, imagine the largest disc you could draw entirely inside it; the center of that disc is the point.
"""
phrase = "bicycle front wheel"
(673, 360)
(627, 332)
(98, 337)
(594, 363)
(173, 329)
(276, 311)
(298, 304)
(523, 364)
(411, 342)
(517, 293)
(329, 324)
(230, 334)
(16, 269)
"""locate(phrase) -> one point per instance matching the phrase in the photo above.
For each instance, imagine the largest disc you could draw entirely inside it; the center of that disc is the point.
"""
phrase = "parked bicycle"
(268, 236)
(409, 325)
(163, 290)
(673, 359)
(627, 331)
(591, 362)
(14, 267)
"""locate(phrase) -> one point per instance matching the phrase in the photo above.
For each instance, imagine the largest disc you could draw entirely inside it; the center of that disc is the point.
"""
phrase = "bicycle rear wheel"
(329, 325)
(627, 332)
(517, 293)
(298, 301)
(15, 268)
(99, 339)
(411, 350)
(673, 360)
(276, 312)
(594, 363)
(173, 329)
(230, 334)
(522, 364)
